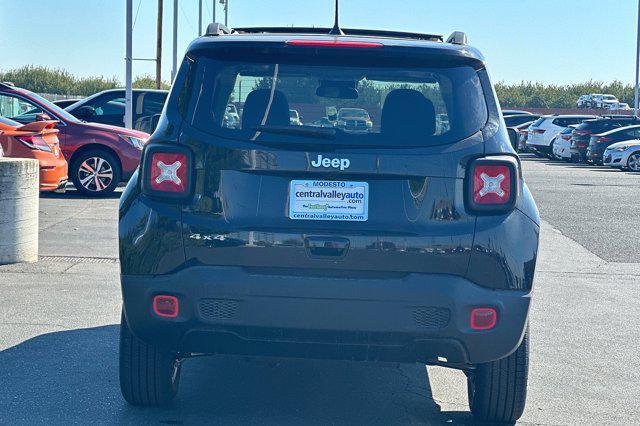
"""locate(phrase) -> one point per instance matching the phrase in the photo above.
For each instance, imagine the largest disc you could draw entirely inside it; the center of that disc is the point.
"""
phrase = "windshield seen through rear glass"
(369, 106)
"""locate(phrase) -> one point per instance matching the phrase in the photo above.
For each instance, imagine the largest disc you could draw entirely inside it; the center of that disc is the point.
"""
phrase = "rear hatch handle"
(326, 247)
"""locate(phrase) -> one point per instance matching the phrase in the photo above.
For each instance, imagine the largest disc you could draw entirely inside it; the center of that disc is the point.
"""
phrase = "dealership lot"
(60, 333)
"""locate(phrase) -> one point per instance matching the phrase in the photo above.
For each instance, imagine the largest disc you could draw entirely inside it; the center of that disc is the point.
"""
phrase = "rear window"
(538, 122)
(365, 105)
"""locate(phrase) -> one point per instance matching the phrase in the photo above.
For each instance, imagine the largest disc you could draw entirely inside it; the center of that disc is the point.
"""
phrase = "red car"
(37, 140)
(99, 156)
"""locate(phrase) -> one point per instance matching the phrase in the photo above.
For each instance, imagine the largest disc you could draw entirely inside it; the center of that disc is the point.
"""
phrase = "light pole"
(199, 18)
(128, 97)
(175, 40)
(635, 104)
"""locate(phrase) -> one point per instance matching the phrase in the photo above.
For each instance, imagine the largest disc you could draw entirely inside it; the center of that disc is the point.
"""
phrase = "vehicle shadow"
(72, 377)
(75, 194)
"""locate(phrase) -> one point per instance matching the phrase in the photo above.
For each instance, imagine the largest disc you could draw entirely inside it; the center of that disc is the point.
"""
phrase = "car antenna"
(336, 26)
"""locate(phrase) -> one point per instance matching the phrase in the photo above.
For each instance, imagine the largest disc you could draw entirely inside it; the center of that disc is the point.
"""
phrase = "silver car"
(623, 155)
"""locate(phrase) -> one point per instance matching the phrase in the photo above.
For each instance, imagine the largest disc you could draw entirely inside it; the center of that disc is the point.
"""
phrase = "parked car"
(620, 106)
(38, 141)
(514, 122)
(583, 101)
(507, 112)
(599, 142)
(354, 120)
(623, 155)
(233, 111)
(323, 122)
(294, 117)
(310, 242)
(107, 107)
(542, 133)
(63, 103)
(582, 134)
(562, 144)
(99, 156)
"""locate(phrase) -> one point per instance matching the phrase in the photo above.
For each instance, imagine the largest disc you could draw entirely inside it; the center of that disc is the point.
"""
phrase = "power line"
(136, 17)
(184, 15)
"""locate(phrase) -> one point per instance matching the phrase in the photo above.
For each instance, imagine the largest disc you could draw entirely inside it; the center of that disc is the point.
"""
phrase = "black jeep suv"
(412, 242)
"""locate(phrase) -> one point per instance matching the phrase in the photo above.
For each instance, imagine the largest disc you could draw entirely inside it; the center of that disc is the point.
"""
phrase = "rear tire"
(498, 390)
(148, 376)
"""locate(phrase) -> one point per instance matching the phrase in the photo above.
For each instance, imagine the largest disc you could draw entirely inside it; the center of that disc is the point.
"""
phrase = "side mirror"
(85, 112)
(43, 117)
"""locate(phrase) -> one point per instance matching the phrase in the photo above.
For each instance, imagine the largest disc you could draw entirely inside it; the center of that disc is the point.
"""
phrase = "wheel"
(96, 172)
(148, 376)
(633, 163)
(498, 390)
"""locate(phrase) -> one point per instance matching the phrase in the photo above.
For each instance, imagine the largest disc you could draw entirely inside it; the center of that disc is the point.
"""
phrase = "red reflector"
(169, 172)
(335, 43)
(491, 184)
(483, 318)
(165, 306)
(603, 139)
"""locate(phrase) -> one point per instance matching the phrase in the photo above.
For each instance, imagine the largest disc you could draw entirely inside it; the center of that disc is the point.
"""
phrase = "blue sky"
(550, 41)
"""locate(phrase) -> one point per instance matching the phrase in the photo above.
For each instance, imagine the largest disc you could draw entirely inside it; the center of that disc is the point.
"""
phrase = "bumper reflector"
(483, 318)
(165, 306)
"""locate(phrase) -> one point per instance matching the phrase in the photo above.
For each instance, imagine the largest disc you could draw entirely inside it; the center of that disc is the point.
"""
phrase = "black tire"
(96, 186)
(498, 390)
(148, 376)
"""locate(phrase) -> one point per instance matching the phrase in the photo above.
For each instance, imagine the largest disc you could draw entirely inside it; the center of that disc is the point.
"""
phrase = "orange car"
(37, 140)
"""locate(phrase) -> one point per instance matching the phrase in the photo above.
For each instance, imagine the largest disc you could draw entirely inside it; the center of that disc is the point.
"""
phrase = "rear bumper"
(417, 317)
(53, 174)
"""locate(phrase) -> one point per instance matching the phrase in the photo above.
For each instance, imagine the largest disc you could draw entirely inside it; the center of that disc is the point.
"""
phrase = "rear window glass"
(538, 122)
(369, 106)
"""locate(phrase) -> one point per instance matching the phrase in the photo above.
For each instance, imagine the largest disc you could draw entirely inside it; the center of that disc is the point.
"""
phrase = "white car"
(562, 144)
(623, 155)
(583, 101)
(604, 101)
(620, 106)
(544, 130)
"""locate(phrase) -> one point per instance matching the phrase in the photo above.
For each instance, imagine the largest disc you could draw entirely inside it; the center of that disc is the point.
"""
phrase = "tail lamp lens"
(34, 142)
(166, 306)
(169, 172)
(483, 318)
(492, 185)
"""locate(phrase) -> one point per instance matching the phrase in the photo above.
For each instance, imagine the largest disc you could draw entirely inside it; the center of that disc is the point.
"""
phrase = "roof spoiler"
(457, 37)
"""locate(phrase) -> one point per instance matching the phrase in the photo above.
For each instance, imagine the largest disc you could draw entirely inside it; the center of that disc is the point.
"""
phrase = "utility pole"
(225, 3)
(174, 67)
(635, 104)
(199, 18)
(159, 47)
(214, 11)
(128, 97)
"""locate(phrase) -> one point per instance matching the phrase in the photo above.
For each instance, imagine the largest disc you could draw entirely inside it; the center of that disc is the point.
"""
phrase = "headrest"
(255, 107)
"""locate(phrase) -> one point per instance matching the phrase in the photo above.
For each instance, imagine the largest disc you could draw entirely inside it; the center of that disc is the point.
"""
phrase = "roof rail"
(347, 31)
(457, 37)
(214, 29)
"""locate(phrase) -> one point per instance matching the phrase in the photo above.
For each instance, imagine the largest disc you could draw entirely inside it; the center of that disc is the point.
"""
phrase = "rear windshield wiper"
(311, 132)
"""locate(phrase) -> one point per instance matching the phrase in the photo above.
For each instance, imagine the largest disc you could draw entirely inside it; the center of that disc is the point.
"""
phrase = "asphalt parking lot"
(59, 332)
